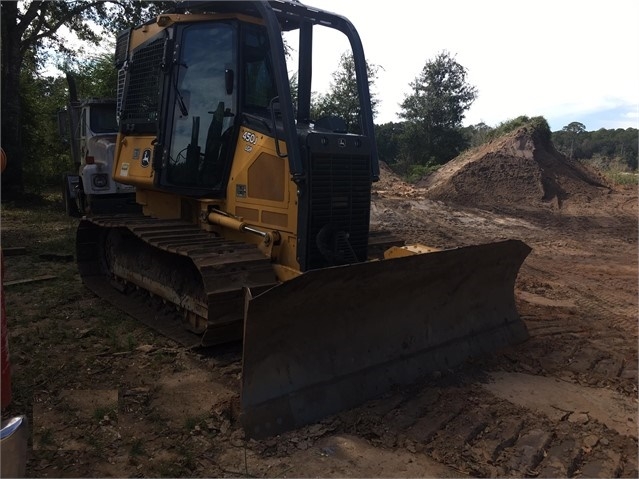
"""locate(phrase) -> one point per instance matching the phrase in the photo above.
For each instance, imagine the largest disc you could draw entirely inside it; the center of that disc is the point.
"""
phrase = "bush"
(616, 169)
(417, 172)
(538, 124)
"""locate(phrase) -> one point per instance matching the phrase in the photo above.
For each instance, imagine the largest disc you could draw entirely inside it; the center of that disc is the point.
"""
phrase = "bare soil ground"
(108, 397)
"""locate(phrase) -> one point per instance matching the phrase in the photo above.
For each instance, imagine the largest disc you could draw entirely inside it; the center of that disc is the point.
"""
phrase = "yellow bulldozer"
(255, 222)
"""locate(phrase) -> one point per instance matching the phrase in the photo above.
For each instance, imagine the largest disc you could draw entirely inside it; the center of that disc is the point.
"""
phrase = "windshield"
(204, 87)
(204, 107)
(103, 118)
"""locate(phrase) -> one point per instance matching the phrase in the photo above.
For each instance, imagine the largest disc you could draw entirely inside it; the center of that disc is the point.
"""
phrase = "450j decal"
(250, 138)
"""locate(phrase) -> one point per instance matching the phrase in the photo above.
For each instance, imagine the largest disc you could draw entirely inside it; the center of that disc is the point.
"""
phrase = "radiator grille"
(142, 96)
(340, 188)
(122, 47)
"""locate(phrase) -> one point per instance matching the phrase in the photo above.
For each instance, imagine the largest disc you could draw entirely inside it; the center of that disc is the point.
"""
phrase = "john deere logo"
(146, 158)
(341, 143)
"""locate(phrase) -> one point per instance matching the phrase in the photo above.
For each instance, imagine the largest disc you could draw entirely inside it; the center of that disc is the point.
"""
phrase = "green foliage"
(538, 124)
(441, 95)
(342, 100)
(508, 126)
(602, 145)
(95, 77)
(476, 135)
(574, 127)
(44, 19)
(293, 83)
(45, 157)
(415, 145)
(615, 169)
(30, 37)
(613, 152)
(573, 130)
(434, 112)
(417, 172)
(388, 137)
(625, 178)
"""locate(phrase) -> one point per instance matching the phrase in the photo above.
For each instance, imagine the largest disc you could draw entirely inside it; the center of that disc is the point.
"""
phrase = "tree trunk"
(12, 185)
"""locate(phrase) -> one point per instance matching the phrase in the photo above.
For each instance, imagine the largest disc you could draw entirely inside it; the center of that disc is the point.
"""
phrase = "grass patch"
(615, 169)
(24, 225)
(622, 178)
(191, 422)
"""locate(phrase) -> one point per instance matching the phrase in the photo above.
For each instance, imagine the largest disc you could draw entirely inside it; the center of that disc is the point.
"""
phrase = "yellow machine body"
(255, 223)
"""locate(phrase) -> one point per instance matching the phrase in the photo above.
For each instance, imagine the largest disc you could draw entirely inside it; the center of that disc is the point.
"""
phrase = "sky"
(565, 60)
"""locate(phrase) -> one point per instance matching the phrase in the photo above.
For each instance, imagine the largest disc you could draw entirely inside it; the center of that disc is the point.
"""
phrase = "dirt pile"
(521, 170)
(390, 185)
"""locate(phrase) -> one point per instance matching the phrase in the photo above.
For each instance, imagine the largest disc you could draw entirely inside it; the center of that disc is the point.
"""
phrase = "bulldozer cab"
(205, 98)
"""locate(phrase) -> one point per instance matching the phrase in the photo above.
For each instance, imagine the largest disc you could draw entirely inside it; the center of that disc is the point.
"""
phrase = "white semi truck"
(90, 127)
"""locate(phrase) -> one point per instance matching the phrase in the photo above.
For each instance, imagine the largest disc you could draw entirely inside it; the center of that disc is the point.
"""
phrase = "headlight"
(101, 180)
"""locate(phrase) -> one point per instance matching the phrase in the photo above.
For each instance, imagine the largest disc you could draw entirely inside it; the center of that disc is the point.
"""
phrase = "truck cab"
(90, 128)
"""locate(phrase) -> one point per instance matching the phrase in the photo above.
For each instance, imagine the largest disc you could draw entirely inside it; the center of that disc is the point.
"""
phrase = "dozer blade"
(330, 339)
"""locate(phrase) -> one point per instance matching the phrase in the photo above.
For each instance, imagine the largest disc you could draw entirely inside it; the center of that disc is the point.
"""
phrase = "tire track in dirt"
(604, 297)
(601, 321)
(470, 430)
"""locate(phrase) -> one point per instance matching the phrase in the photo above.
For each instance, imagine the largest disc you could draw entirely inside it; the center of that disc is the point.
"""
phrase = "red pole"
(5, 385)
(5, 367)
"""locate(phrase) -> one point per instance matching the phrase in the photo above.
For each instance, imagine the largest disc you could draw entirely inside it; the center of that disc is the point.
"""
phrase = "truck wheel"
(70, 204)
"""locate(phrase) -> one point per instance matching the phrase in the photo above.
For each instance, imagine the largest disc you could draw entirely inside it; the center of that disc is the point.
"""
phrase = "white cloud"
(548, 58)
(85, 50)
(553, 58)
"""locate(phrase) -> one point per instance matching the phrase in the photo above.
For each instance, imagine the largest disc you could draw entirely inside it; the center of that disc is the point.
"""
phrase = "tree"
(342, 99)
(434, 110)
(46, 157)
(96, 77)
(28, 29)
(607, 147)
(477, 134)
(573, 129)
(388, 138)
(42, 97)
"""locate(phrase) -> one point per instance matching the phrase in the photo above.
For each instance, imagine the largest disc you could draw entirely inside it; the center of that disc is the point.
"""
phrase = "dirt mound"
(390, 185)
(519, 170)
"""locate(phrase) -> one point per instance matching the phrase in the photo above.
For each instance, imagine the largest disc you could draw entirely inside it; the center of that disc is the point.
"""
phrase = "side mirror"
(229, 80)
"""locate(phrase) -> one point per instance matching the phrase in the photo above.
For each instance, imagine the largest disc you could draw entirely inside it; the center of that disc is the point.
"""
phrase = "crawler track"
(129, 260)
(176, 278)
